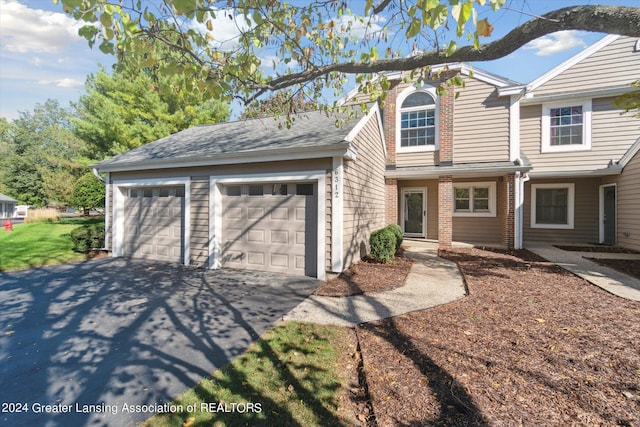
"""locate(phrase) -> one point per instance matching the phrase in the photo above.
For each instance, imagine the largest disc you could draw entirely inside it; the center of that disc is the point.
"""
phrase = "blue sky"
(42, 57)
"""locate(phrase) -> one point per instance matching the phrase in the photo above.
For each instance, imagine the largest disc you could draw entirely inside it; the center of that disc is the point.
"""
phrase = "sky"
(42, 57)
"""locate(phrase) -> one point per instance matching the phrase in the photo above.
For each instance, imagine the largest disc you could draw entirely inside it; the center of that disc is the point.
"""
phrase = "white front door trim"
(601, 211)
(118, 210)
(215, 209)
(403, 207)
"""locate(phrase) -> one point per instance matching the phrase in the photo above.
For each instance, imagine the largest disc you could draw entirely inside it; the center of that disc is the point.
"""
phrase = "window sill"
(564, 148)
(475, 214)
(553, 226)
(416, 149)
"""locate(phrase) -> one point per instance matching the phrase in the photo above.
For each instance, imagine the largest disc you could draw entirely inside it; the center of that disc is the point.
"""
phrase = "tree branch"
(607, 19)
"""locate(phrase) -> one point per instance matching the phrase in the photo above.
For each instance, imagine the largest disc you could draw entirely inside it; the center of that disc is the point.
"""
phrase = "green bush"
(383, 245)
(397, 231)
(87, 238)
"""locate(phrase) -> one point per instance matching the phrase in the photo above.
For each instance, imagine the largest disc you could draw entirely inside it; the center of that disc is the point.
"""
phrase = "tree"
(88, 193)
(315, 45)
(43, 157)
(130, 108)
(630, 101)
(272, 106)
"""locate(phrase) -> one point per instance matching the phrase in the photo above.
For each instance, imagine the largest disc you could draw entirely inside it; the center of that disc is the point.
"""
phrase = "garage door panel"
(154, 224)
(272, 231)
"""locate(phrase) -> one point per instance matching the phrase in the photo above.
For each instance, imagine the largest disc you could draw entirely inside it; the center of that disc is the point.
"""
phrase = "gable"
(611, 63)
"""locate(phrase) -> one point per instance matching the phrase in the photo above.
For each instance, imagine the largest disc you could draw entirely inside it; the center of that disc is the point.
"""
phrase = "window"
(566, 127)
(279, 190)
(474, 199)
(552, 205)
(233, 190)
(256, 190)
(304, 189)
(417, 125)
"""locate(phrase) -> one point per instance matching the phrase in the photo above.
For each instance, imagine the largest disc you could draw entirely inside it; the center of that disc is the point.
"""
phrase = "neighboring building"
(502, 164)
(7, 206)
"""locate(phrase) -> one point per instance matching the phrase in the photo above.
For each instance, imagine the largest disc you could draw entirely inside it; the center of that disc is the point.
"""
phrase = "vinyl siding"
(481, 230)
(614, 65)
(612, 133)
(363, 192)
(199, 255)
(328, 221)
(586, 214)
(628, 204)
(481, 124)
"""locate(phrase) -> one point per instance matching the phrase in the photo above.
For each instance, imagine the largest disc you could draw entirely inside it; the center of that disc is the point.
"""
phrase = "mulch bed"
(626, 266)
(602, 249)
(368, 276)
(531, 344)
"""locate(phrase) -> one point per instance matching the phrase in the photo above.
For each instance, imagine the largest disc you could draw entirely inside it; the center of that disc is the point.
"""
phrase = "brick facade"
(444, 156)
(445, 211)
(391, 202)
(389, 120)
(508, 210)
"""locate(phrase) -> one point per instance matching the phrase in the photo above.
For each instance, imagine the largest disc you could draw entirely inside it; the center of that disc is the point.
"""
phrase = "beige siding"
(199, 221)
(364, 192)
(481, 230)
(614, 65)
(628, 204)
(611, 136)
(328, 221)
(481, 124)
(586, 214)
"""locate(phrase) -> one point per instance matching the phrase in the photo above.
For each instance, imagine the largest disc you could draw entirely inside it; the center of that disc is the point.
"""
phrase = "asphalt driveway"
(114, 333)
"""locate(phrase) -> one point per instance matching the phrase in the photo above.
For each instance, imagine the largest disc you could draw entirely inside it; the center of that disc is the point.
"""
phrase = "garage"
(153, 223)
(270, 227)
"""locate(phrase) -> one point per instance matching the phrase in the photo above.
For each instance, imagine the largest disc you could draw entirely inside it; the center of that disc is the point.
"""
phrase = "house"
(501, 164)
(7, 206)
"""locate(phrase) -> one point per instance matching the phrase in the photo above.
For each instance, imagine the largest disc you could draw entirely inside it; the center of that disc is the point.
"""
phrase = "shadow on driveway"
(117, 332)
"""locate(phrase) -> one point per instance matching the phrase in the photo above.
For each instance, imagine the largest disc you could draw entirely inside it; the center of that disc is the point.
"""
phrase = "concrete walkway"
(607, 278)
(432, 281)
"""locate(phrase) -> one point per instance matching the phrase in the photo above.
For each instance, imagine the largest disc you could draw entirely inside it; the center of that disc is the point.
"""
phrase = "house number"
(336, 184)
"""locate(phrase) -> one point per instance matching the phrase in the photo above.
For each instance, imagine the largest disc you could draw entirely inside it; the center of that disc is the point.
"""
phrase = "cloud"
(226, 29)
(35, 30)
(555, 43)
(359, 27)
(66, 82)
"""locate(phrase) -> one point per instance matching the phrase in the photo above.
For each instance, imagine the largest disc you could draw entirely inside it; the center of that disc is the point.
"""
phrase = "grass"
(41, 243)
(291, 376)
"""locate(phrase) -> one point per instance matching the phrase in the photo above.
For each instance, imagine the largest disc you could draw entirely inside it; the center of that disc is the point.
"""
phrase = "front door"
(414, 212)
(609, 215)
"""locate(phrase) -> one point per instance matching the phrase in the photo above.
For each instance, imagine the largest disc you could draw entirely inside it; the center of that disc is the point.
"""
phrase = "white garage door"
(154, 223)
(270, 227)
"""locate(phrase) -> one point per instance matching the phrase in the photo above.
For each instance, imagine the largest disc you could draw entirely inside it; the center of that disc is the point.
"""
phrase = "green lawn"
(290, 377)
(40, 243)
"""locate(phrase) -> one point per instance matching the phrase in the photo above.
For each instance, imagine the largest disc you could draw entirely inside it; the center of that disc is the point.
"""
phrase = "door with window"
(414, 212)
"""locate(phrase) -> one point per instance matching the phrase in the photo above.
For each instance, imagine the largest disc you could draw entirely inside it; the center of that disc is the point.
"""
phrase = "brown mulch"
(630, 267)
(368, 276)
(531, 344)
(602, 249)
(96, 254)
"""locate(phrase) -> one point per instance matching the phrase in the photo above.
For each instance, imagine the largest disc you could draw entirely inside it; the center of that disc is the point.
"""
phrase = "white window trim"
(570, 206)
(431, 90)
(492, 199)
(546, 146)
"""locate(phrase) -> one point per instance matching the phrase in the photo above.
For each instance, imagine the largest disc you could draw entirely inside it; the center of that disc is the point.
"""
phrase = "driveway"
(116, 332)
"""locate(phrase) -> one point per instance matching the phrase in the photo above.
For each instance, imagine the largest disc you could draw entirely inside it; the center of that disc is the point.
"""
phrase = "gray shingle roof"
(4, 198)
(311, 130)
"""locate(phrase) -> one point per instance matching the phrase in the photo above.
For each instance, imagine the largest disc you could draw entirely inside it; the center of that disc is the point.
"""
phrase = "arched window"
(418, 120)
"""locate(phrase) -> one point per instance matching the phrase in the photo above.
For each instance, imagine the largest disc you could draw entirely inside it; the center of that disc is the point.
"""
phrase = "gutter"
(455, 172)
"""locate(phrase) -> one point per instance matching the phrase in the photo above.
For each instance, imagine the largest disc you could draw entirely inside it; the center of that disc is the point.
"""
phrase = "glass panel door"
(414, 213)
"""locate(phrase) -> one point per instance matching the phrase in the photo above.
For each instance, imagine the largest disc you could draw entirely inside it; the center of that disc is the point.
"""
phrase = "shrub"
(383, 245)
(42, 215)
(397, 231)
(87, 238)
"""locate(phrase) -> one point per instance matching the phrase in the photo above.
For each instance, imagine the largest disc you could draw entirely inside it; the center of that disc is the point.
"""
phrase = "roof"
(233, 142)
(458, 170)
(4, 198)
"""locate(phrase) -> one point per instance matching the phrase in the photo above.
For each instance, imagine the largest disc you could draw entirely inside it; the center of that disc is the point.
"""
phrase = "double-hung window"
(418, 130)
(566, 126)
(552, 205)
(474, 199)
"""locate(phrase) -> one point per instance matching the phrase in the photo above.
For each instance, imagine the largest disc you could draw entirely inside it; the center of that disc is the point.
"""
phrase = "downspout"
(519, 243)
